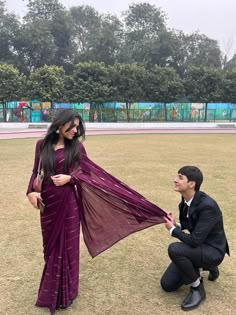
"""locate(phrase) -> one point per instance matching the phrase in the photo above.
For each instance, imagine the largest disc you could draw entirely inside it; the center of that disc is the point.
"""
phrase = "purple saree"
(108, 210)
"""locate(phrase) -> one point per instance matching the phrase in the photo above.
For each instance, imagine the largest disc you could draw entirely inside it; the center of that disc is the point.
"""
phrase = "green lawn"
(125, 279)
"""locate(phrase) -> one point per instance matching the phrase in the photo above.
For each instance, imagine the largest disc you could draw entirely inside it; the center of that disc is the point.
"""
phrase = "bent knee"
(166, 286)
(174, 249)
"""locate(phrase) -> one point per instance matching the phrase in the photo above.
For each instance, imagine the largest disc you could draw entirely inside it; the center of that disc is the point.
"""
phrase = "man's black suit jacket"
(205, 224)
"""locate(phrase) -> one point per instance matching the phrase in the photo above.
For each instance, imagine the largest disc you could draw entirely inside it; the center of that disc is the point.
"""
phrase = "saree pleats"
(60, 225)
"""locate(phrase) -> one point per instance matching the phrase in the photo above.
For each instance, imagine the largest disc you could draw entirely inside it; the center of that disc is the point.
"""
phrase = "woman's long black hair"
(72, 154)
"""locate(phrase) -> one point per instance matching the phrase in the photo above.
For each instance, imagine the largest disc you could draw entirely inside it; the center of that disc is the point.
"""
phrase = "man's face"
(182, 184)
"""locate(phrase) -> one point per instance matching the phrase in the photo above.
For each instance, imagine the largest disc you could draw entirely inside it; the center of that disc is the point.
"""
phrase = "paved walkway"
(17, 133)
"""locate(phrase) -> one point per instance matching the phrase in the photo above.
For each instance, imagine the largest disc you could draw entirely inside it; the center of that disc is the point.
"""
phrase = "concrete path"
(17, 133)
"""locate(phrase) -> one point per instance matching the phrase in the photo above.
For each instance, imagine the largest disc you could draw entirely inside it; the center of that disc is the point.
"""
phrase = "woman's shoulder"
(40, 141)
(39, 144)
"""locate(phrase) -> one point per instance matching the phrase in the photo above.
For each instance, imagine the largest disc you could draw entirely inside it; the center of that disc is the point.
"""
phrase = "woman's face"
(69, 129)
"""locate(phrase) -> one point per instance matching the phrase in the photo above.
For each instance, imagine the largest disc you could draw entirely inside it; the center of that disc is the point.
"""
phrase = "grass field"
(125, 279)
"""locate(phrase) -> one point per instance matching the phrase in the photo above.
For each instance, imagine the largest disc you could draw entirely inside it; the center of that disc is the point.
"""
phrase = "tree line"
(80, 55)
(97, 83)
(51, 34)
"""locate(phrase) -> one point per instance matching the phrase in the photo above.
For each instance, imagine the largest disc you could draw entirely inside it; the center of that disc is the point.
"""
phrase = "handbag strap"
(39, 165)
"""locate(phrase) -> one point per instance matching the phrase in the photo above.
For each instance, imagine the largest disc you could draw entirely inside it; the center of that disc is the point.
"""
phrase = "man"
(202, 247)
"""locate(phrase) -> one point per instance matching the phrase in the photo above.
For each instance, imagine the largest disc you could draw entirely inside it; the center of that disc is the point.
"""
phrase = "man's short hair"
(192, 173)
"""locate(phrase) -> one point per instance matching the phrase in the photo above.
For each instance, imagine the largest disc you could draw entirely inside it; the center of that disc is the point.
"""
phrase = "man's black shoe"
(194, 298)
(213, 274)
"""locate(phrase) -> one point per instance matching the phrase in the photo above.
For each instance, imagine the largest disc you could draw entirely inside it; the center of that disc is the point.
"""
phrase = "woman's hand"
(60, 179)
(33, 198)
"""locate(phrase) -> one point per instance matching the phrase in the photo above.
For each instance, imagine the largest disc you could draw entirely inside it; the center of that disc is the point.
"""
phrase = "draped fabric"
(108, 210)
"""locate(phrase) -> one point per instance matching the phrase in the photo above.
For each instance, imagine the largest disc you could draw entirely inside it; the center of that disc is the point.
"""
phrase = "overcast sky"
(214, 18)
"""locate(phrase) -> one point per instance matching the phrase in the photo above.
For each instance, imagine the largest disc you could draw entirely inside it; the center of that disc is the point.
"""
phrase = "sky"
(214, 18)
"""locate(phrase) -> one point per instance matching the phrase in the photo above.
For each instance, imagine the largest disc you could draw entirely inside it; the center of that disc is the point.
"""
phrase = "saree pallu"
(110, 210)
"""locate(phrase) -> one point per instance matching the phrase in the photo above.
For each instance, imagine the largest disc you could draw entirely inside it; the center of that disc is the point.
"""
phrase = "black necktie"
(185, 210)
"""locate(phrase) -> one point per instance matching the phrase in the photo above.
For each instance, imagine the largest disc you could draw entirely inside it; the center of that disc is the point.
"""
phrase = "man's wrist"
(172, 229)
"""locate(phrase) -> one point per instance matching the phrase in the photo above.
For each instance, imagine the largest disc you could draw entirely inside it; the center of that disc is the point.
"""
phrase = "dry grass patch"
(125, 279)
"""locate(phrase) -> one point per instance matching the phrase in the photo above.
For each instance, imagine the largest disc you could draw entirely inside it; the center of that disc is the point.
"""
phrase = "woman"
(76, 190)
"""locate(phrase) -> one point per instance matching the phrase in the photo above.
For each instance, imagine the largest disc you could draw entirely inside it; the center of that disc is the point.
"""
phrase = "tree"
(35, 47)
(204, 85)
(145, 35)
(9, 27)
(11, 84)
(96, 36)
(86, 20)
(46, 35)
(47, 83)
(231, 64)
(61, 30)
(228, 45)
(90, 82)
(194, 50)
(229, 87)
(164, 85)
(106, 43)
(128, 81)
(142, 18)
(42, 10)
